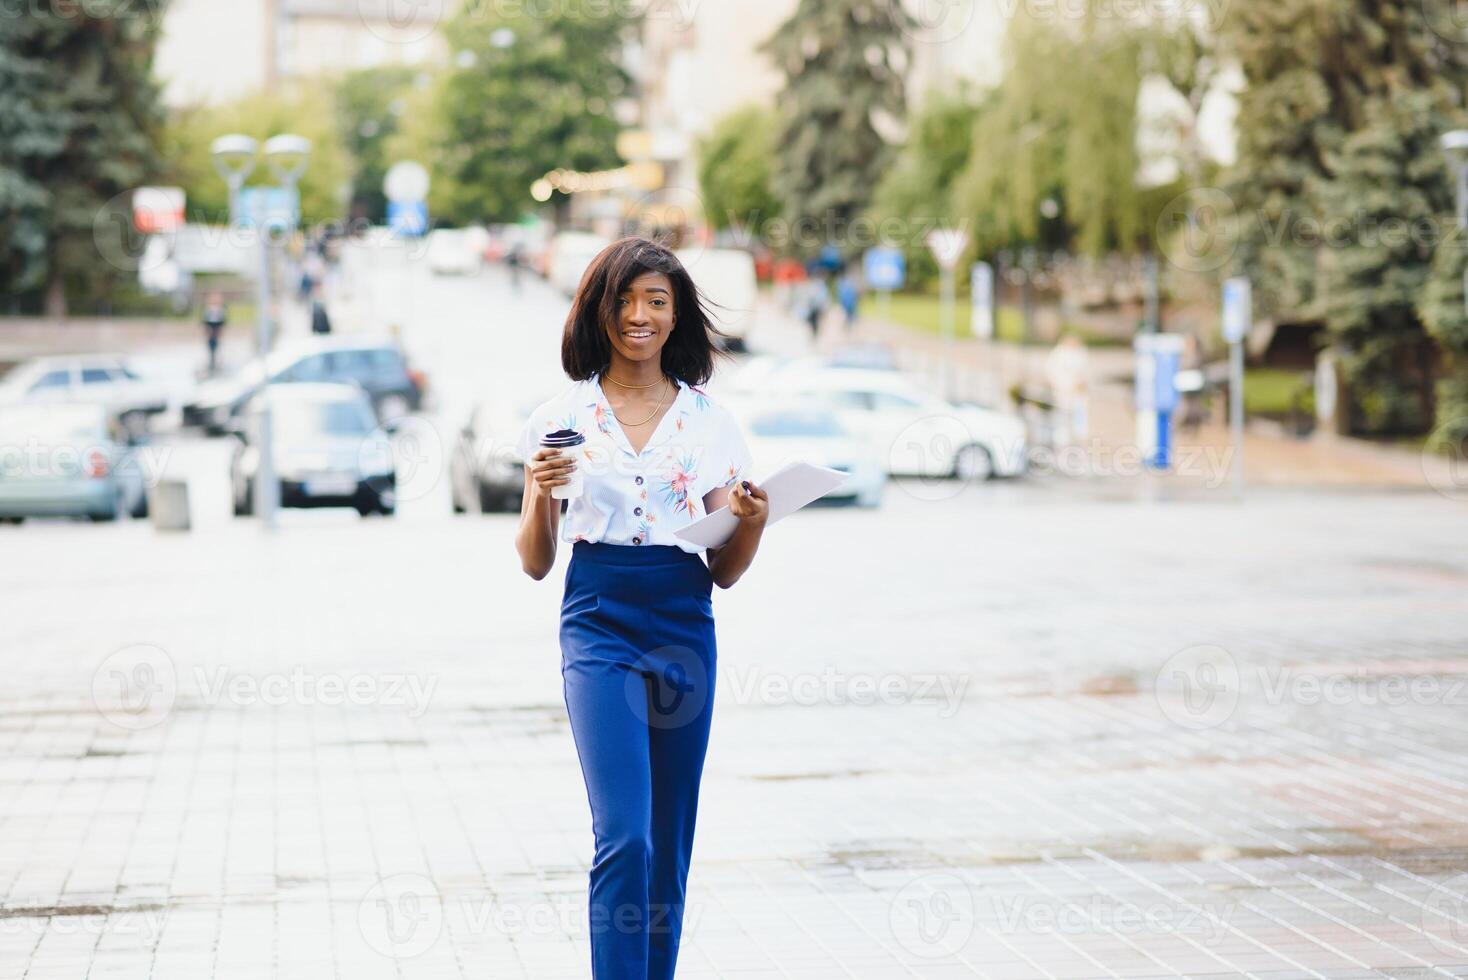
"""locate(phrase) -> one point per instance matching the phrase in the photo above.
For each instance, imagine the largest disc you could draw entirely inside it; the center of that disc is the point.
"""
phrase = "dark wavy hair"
(689, 352)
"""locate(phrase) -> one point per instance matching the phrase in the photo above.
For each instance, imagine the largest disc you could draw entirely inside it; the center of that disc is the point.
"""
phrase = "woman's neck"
(628, 372)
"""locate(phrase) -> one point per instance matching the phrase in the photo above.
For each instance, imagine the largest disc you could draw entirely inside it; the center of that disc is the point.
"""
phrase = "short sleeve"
(734, 456)
(529, 437)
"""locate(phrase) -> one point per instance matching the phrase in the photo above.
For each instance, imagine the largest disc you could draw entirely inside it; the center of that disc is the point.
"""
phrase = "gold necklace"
(621, 385)
(661, 398)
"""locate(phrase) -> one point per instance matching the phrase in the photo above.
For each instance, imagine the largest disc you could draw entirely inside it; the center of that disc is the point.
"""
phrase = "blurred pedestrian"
(513, 259)
(814, 299)
(1067, 369)
(216, 316)
(320, 321)
(848, 294)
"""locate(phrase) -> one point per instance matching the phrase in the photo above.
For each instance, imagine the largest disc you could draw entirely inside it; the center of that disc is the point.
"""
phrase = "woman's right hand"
(549, 469)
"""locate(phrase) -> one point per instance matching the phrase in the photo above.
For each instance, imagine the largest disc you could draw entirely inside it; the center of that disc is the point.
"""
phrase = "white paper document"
(789, 488)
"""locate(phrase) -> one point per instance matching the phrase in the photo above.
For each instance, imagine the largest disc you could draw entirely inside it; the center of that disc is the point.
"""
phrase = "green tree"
(370, 106)
(917, 191)
(79, 125)
(530, 92)
(734, 170)
(307, 110)
(844, 63)
(1061, 126)
(1338, 128)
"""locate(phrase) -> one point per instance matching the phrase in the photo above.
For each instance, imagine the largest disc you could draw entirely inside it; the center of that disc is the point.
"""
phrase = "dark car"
(379, 368)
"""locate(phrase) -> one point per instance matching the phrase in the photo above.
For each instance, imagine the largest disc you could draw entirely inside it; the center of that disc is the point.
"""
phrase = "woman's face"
(644, 317)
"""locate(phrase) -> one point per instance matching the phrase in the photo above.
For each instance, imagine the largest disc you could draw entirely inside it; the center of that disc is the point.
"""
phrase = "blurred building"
(213, 51)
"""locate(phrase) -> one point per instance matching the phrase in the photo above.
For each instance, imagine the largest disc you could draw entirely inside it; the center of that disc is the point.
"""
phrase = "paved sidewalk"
(1042, 738)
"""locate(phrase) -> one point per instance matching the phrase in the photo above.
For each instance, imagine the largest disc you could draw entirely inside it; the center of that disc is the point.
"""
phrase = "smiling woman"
(638, 647)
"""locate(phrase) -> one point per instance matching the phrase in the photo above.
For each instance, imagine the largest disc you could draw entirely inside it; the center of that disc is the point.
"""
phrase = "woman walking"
(637, 628)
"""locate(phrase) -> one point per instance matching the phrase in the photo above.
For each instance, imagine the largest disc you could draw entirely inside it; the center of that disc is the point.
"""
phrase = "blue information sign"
(884, 268)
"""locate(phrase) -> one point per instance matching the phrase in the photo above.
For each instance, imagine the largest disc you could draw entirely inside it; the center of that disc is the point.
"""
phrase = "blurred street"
(1082, 735)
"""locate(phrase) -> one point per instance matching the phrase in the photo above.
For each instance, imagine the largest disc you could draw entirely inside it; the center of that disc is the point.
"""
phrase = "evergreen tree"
(532, 91)
(844, 63)
(1338, 130)
(78, 127)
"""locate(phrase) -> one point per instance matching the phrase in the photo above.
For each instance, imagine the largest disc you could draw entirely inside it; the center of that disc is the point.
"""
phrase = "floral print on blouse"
(640, 498)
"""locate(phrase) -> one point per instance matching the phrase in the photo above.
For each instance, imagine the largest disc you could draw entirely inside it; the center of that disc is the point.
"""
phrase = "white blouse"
(641, 498)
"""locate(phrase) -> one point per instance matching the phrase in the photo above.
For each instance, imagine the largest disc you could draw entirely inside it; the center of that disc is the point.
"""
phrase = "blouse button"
(637, 540)
(639, 481)
(637, 511)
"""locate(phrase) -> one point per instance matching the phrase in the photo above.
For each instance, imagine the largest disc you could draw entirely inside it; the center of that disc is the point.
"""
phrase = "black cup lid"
(562, 437)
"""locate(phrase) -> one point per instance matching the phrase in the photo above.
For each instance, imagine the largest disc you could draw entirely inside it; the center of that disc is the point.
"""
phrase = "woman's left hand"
(749, 503)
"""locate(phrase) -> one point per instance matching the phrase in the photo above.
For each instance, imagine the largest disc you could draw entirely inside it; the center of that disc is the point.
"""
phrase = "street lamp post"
(1455, 147)
(234, 158)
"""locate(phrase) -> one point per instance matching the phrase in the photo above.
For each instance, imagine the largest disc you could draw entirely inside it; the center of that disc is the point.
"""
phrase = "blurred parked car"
(807, 430)
(455, 252)
(486, 473)
(100, 379)
(914, 432)
(67, 460)
(726, 277)
(381, 369)
(569, 256)
(326, 446)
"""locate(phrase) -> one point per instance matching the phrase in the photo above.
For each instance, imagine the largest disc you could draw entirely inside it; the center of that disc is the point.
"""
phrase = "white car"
(326, 446)
(99, 379)
(569, 256)
(65, 460)
(806, 430)
(454, 252)
(913, 432)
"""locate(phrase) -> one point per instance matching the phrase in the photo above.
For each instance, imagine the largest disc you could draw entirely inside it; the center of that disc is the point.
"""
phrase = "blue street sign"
(277, 208)
(884, 268)
(407, 217)
(1238, 309)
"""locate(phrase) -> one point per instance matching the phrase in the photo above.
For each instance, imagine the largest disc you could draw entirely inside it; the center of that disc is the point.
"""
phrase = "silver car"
(65, 460)
(326, 446)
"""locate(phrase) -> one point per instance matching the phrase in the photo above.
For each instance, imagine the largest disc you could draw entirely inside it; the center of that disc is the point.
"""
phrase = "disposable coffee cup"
(572, 444)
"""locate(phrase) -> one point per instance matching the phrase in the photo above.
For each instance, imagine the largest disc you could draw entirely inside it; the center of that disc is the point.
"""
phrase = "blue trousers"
(638, 664)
